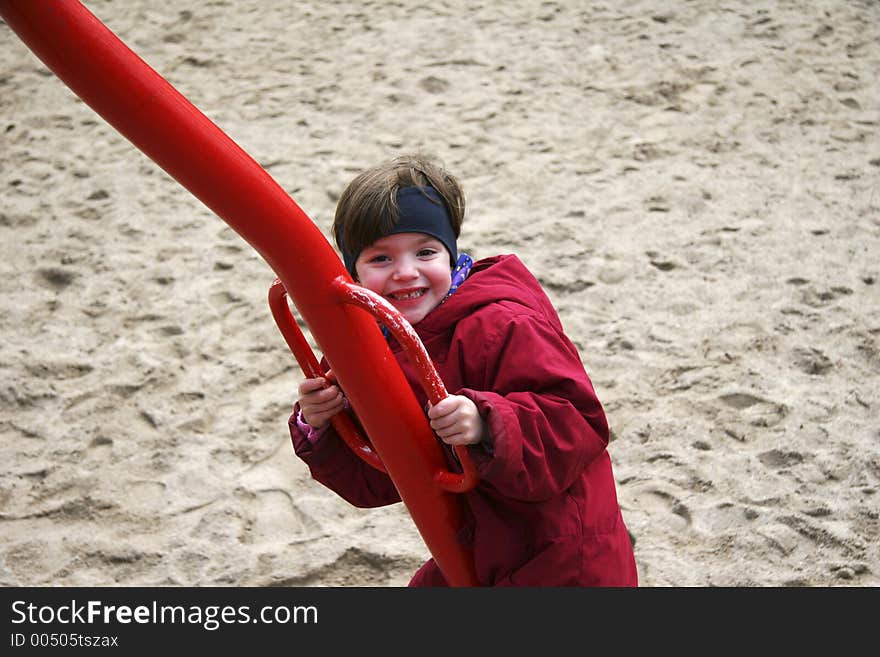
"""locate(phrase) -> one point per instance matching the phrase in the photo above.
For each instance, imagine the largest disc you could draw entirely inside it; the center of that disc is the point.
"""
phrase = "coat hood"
(502, 278)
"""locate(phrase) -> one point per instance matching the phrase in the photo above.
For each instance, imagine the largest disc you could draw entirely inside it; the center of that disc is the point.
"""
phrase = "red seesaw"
(139, 103)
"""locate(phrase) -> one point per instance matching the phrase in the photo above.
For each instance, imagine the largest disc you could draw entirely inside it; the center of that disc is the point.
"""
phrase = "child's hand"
(457, 421)
(319, 401)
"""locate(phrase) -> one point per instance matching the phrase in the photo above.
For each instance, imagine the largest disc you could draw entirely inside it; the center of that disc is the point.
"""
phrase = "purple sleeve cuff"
(311, 434)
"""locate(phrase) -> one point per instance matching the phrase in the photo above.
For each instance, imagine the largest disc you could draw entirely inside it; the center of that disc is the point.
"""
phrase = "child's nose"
(406, 269)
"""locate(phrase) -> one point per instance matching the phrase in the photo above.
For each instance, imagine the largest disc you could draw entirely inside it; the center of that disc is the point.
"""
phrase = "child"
(545, 510)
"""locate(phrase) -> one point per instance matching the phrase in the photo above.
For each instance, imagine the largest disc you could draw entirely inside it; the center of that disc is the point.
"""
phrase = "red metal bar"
(158, 120)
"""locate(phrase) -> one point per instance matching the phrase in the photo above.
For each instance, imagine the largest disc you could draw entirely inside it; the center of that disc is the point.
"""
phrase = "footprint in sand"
(355, 567)
(145, 496)
(820, 298)
(55, 278)
(57, 370)
(780, 538)
(275, 518)
(740, 400)
(725, 517)
(661, 504)
(100, 448)
(778, 459)
(744, 410)
(812, 361)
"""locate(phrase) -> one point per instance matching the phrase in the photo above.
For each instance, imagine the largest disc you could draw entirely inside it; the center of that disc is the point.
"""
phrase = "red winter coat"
(545, 511)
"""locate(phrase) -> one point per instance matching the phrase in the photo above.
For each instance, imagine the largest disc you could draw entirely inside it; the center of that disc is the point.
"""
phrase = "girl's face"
(411, 270)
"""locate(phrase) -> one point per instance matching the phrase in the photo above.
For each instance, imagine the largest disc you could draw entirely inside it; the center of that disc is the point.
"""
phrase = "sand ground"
(696, 183)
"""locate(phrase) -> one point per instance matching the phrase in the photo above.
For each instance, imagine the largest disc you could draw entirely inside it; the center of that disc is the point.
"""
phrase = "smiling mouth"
(407, 295)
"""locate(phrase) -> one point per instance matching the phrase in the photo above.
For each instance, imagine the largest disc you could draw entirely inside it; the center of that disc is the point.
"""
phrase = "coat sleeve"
(545, 421)
(334, 465)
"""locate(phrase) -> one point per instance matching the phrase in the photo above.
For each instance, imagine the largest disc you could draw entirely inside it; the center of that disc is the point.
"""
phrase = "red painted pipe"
(158, 120)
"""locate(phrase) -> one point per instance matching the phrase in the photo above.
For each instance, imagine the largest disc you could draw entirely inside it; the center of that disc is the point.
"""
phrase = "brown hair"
(367, 209)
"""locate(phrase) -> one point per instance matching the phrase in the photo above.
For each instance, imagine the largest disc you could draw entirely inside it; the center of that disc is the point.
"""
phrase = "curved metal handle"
(431, 382)
(310, 366)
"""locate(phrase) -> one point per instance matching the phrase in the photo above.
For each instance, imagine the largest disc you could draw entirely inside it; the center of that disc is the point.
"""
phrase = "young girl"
(545, 511)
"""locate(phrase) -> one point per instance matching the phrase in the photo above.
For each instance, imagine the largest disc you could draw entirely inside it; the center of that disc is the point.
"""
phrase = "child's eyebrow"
(419, 242)
(427, 238)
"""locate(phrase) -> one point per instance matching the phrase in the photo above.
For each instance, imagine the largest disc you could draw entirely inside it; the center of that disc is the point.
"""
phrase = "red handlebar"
(396, 323)
(310, 366)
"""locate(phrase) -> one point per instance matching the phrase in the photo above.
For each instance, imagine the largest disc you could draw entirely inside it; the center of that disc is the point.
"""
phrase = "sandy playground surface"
(696, 183)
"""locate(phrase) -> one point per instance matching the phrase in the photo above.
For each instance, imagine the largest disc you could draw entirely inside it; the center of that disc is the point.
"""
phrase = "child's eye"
(379, 258)
(426, 252)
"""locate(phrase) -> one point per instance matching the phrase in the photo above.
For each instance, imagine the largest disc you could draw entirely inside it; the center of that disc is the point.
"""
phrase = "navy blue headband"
(420, 210)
